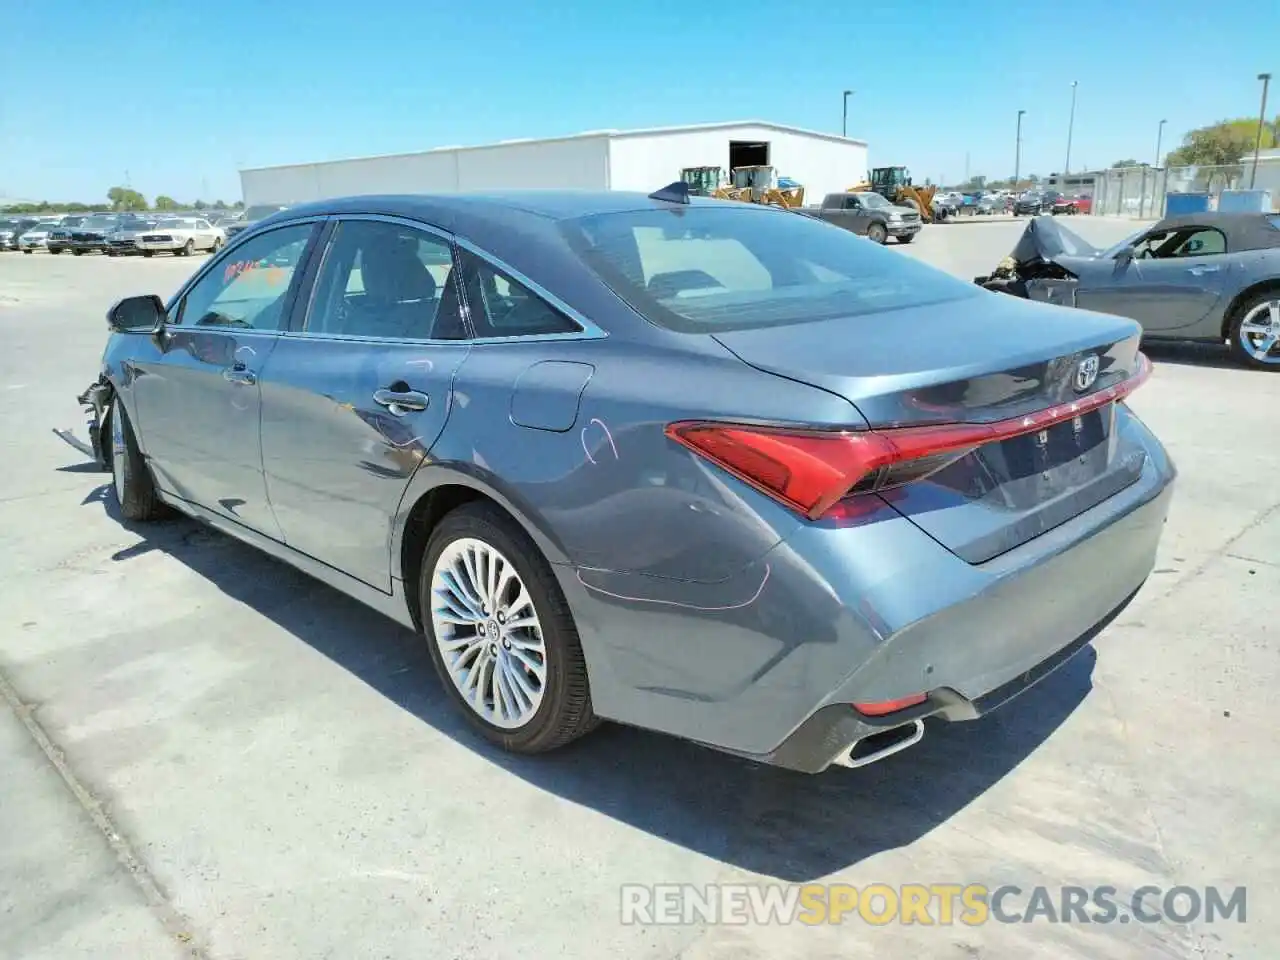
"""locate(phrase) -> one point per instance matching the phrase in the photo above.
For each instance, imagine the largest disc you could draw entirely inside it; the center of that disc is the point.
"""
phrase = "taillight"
(812, 470)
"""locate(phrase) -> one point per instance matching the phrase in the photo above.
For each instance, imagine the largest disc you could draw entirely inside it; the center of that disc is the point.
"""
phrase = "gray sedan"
(663, 461)
(1212, 277)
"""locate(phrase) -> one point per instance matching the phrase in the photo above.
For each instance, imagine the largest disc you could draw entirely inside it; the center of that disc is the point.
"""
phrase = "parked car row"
(117, 234)
(1035, 202)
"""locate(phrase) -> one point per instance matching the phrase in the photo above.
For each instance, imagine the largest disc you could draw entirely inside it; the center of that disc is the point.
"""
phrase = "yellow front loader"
(748, 185)
(894, 184)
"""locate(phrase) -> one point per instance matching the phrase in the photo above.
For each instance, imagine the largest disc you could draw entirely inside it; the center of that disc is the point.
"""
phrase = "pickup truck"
(869, 215)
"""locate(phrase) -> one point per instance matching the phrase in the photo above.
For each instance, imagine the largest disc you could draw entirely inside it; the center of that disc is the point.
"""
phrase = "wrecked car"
(1211, 277)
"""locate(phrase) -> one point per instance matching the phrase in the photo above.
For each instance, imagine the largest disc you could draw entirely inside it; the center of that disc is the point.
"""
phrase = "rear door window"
(388, 280)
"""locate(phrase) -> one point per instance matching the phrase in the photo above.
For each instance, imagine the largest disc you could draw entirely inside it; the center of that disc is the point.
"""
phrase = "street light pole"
(1262, 114)
(1071, 123)
(1017, 153)
(1156, 168)
(844, 120)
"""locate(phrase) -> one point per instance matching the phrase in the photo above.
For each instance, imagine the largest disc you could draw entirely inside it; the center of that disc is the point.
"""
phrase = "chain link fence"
(1143, 192)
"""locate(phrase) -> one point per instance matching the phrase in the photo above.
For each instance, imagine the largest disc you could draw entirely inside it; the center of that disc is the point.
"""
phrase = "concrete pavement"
(286, 779)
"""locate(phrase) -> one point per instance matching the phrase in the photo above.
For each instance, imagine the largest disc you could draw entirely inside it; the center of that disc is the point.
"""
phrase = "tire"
(217, 245)
(28, 252)
(562, 710)
(1262, 313)
(130, 479)
(113, 253)
(148, 253)
(188, 248)
(77, 253)
(877, 232)
(906, 238)
(55, 252)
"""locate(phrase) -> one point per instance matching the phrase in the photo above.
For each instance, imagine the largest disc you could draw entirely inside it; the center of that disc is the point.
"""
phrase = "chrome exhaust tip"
(877, 746)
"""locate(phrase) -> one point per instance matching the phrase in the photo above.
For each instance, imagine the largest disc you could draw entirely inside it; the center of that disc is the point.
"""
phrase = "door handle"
(400, 402)
(1201, 271)
(239, 374)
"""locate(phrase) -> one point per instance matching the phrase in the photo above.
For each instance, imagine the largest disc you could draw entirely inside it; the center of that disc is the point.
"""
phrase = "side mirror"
(136, 314)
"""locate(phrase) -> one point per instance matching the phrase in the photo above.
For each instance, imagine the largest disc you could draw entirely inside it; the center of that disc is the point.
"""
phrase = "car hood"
(1046, 239)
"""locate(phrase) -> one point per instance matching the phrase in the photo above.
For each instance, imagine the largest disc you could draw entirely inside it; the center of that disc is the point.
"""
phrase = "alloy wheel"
(1260, 332)
(488, 633)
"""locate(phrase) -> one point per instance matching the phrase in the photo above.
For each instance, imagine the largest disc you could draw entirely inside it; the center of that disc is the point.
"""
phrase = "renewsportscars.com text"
(942, 904)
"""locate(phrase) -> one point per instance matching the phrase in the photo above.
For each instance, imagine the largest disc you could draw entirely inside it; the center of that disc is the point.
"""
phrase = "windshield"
(176, 224)
(266, 210)
(711, 269)
(874, 201)
(1129, 241)
(97, 223)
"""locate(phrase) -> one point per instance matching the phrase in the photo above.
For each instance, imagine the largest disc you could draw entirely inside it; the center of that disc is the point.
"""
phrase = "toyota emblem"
(1086, 373)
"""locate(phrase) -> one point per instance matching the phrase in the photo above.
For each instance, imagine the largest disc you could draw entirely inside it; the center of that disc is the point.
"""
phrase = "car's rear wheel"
(501, 634)
(77, 253)
(148, 253)
(55, 252)
(877, 232)
(130, 477)
(1255, 334)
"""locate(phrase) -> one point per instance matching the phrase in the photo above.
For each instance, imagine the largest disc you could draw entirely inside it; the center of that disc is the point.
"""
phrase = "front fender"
(433, 475)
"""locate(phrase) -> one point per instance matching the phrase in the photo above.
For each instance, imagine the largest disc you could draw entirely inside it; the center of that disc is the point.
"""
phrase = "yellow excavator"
(894, 184)
(758, 184)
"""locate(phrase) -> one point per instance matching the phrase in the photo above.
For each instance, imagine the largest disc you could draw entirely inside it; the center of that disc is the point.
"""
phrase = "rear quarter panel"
(610, 491)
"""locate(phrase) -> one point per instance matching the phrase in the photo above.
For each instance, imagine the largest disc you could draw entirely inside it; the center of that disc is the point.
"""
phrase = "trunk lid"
(982, 359)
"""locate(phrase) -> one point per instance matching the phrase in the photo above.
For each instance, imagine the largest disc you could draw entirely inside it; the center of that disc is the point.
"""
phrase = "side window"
(851, 203)
(386, 280)
(1201, 243)
(1148, 246)
(501, 307)
(247, 288)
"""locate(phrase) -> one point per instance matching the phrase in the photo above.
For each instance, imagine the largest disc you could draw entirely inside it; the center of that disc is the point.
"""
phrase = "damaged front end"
(96, 400)
(1035, 269)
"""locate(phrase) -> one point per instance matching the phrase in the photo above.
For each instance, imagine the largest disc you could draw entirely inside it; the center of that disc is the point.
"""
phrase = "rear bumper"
(768, 663)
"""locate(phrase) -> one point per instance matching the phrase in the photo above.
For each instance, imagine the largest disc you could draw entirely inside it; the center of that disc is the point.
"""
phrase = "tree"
(166, 203)
(238, 205)
(1220, 147)
(219, 205)
(1121, 164)
(198, 205)
(124, 198)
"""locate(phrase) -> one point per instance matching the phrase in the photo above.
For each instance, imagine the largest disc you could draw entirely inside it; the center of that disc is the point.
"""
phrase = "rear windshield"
(707, 269)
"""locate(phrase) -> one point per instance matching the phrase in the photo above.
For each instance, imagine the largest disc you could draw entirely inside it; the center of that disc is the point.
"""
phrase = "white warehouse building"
(641, 160)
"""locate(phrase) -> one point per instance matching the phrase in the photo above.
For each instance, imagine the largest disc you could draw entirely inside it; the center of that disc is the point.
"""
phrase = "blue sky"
(182, 94)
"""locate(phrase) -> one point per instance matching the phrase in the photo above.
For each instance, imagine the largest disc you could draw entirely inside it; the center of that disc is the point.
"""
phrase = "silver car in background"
(36, 238)
(180, 236)
(124, 239)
